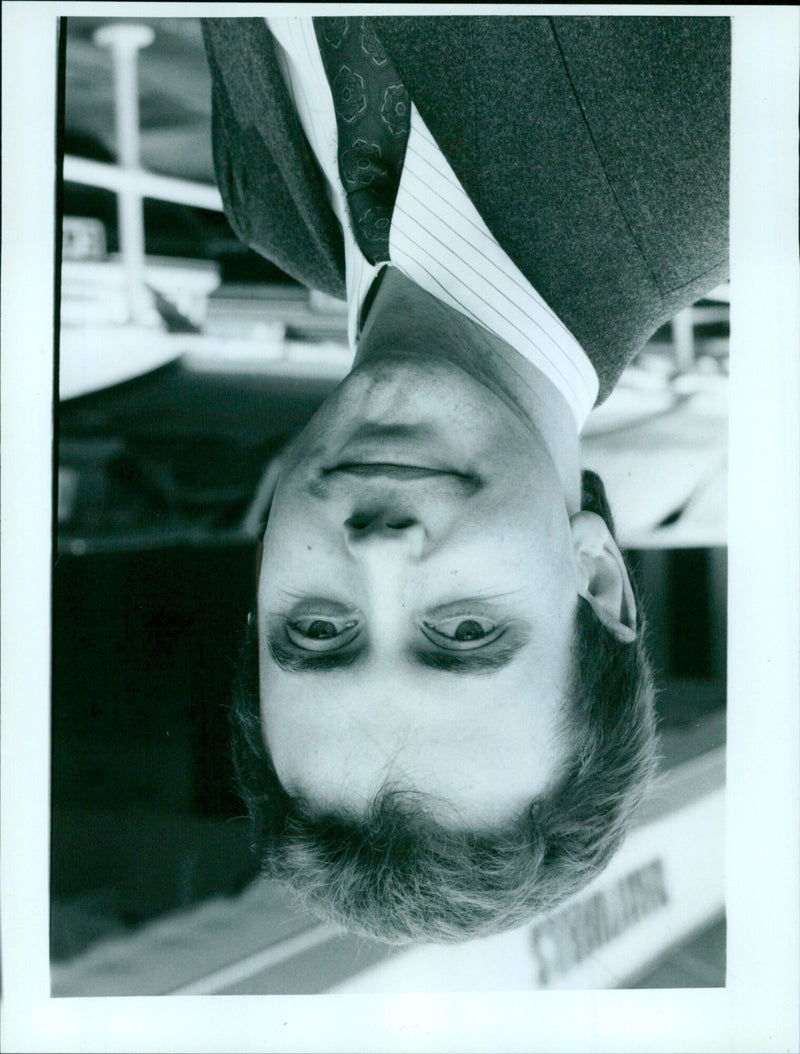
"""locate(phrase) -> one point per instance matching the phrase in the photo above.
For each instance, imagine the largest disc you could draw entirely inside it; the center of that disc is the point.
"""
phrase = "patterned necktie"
(373, 117)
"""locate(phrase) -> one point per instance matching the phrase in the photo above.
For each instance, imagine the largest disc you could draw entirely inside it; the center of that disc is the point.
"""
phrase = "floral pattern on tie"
(373, 120)
(361, 164)
(335, 30)
(375, 223)
(349, 94)
(371, 46)
(395, 111)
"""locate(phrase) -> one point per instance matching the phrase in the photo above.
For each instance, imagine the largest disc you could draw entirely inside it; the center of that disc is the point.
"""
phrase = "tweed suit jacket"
(596, 149)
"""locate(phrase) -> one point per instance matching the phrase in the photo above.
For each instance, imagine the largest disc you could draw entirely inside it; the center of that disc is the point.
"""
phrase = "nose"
(384, 529)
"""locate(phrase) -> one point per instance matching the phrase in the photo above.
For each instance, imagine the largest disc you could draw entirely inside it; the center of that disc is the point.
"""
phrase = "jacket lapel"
(273, 189)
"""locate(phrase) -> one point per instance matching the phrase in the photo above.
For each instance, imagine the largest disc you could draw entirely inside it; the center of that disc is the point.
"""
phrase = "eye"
(318, 633)
(460, 632)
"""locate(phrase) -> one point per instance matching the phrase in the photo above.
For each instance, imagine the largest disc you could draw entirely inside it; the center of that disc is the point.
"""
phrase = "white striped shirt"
(437, 237)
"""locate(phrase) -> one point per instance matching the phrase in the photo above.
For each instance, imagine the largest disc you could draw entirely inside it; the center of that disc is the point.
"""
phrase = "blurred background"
(185, 363)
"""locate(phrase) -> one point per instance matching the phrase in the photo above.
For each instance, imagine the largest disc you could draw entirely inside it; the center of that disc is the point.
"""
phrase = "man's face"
(416, 599)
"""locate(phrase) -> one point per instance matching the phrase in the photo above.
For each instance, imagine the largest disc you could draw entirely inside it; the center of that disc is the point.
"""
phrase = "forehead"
(482, 747)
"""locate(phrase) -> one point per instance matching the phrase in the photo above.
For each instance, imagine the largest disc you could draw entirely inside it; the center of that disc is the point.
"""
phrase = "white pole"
(148, 184)
(124, 40)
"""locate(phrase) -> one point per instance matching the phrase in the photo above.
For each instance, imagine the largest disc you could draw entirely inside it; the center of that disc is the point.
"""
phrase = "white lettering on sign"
(563, 940)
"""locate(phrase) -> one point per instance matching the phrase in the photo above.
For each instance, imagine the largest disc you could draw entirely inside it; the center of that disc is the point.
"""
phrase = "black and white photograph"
(415, 540)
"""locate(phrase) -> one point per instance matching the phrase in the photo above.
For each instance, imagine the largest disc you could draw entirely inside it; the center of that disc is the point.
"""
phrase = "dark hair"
(397, 875)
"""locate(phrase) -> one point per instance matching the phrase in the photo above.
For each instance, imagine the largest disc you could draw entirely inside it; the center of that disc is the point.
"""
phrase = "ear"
(602, 576)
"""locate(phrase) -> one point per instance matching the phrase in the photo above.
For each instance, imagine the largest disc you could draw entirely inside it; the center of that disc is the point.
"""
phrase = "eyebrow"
(484, 660)
(294, 661)
(478, 660)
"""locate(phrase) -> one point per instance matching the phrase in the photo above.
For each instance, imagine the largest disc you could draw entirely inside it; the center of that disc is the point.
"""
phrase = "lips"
(413, 449)
(389, 470)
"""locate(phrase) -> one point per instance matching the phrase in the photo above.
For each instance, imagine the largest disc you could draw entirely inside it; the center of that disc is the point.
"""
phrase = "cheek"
(297, 526)
(528, 529)
(540, 564)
